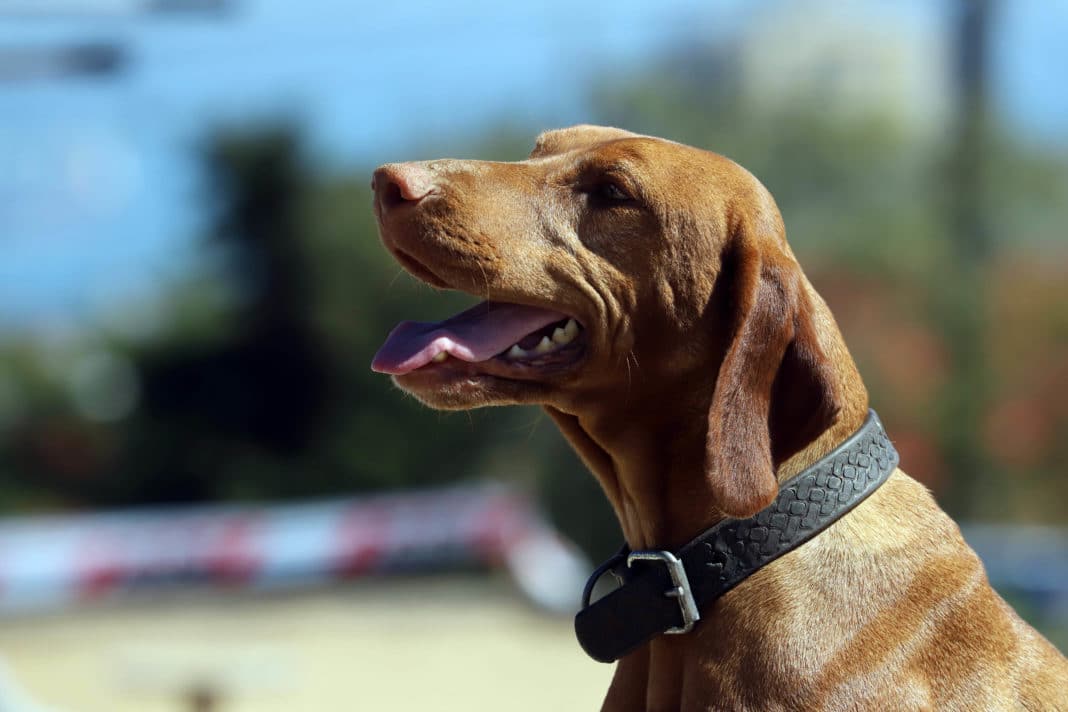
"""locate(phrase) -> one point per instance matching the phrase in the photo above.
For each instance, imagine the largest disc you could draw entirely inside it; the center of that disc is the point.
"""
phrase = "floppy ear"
(774, 393)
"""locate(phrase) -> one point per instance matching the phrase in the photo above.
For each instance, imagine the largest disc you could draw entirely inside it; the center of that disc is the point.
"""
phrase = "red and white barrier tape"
(56, 561)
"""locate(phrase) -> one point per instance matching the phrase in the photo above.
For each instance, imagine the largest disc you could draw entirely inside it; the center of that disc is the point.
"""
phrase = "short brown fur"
(713, 371)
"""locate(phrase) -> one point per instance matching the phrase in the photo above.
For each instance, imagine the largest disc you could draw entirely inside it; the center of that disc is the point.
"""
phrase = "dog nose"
(398, 184)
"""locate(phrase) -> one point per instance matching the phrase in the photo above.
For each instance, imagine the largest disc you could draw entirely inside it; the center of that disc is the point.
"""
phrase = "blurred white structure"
(841, 57)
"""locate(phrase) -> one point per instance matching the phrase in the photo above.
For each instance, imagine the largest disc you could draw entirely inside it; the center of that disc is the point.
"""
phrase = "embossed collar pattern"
(662, 592)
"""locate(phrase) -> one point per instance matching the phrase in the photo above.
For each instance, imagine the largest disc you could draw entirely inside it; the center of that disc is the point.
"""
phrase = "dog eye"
(610, 191)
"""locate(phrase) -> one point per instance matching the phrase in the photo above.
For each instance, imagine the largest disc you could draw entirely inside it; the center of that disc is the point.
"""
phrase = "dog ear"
(774, 393)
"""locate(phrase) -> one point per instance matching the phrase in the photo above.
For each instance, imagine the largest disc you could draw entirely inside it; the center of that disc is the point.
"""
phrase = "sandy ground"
(432, 644)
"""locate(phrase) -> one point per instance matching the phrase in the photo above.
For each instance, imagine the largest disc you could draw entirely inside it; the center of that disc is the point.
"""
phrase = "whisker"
(395, 278)
(485, 277)
(635, 357)
(534, 426)
(637, 367)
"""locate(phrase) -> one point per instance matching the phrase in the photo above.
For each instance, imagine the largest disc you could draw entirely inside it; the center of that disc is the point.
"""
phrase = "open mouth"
(517, 339)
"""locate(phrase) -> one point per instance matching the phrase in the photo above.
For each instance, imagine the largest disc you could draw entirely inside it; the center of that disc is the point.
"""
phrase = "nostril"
(391, 196)
(402, 183)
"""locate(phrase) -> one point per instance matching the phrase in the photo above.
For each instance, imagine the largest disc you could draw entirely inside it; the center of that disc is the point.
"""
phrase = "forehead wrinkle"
(581, 136)
(601, 165)
(625, 153)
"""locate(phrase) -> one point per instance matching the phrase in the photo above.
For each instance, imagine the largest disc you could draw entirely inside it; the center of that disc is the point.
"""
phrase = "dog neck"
(654, 478)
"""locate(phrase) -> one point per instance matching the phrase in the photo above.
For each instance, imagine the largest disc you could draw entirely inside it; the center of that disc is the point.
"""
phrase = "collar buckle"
(680, 591)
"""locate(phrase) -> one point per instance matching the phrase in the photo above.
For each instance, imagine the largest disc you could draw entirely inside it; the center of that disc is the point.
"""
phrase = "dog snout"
(397, 185)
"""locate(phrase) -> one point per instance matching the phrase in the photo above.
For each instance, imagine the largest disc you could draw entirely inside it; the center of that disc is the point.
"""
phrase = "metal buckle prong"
(681, 591)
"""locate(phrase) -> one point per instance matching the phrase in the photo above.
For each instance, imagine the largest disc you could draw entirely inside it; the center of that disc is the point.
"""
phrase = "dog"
(643, 293)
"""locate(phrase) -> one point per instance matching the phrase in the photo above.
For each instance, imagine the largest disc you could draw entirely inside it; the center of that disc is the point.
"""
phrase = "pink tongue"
(474, 335)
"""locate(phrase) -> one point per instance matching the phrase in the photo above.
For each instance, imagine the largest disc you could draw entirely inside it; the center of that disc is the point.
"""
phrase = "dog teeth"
(441, 356)
(562, 336)
(567, 333)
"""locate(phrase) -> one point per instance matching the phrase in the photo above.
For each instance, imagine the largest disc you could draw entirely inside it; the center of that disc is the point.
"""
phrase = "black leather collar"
(662, 592)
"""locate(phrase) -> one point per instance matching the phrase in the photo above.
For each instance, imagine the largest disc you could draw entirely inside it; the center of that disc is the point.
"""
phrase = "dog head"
(613, 266)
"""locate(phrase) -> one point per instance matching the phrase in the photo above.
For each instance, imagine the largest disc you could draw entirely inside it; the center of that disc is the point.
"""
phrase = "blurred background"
(209, 502)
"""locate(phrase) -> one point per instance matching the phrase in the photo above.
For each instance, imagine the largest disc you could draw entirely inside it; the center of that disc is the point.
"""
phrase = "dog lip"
(562, 360)
(420, 271)
(417, 269)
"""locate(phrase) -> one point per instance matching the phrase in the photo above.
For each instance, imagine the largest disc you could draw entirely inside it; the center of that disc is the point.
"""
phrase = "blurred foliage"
(255, 383)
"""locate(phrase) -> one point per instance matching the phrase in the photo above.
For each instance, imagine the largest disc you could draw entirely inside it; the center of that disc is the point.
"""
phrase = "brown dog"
(643, 292)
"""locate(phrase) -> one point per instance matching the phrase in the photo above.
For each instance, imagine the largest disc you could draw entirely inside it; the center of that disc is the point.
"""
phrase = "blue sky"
(98, 188)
